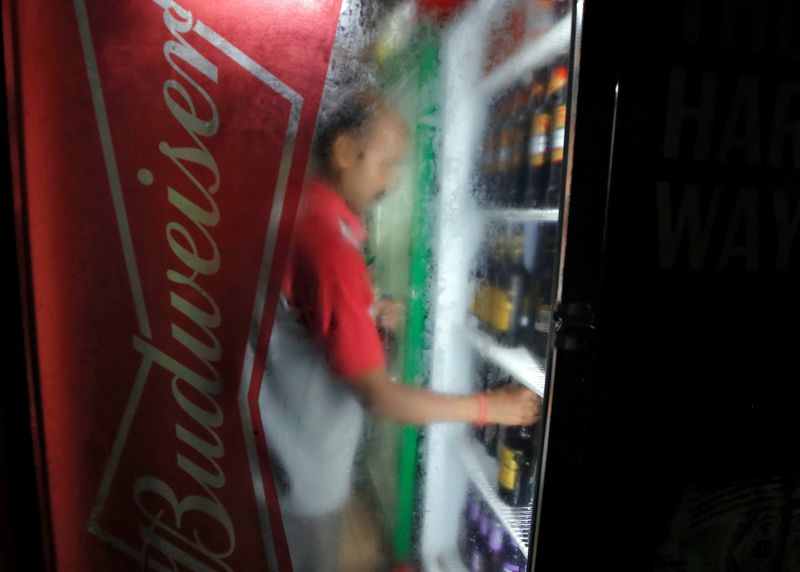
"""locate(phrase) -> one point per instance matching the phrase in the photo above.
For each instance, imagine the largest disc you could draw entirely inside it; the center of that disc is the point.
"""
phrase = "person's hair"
(352, 117)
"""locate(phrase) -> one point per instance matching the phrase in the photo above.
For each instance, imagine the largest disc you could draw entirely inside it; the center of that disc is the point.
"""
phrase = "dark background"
(691, 381)
(21, 541)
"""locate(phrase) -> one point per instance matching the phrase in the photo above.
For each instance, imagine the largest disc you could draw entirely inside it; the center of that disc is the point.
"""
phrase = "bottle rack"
(482, 471)
(517, 362)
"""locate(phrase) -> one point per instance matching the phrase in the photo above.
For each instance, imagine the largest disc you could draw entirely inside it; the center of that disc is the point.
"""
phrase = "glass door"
(507, 69)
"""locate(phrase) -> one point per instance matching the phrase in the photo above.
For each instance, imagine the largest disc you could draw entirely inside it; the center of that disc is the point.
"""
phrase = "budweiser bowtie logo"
(199, 143)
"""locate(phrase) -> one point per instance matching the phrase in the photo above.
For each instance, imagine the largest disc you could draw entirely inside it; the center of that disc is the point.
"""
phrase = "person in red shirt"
(326, 363)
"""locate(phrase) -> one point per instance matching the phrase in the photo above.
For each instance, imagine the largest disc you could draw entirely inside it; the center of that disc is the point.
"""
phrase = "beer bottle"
(533, 93)
(516, 464)
(493, 168)
(494, 269)
(503, 170)
(491, 432)
(484, 171)
(480, 284)
(501, 305)
(557, 94)
(494, 554)
(521, 281)
(479, 547)
(538, 146)
(541, 327)
(490, 158)
(517, 167)
(471, 526)
(513, 558)
(543, 294)
(504, 136)
(483, 271)
(511, 316)
(522, 145)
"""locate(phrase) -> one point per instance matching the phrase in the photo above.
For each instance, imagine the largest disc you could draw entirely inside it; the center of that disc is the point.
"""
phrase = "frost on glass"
(501, 183)
(460, 255)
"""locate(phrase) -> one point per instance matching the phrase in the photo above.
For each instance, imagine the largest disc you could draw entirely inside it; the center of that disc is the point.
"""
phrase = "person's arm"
(336, 300)
(387, 400)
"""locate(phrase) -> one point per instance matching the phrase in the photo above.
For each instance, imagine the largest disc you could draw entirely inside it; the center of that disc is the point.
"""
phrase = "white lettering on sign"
(689, 217)
(184, 523)
(197, 256)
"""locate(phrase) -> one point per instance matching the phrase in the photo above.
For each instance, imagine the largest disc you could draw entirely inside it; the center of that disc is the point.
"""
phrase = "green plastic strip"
(421, 225)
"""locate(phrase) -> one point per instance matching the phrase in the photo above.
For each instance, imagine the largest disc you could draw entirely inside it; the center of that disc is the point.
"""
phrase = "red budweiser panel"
(162, 151)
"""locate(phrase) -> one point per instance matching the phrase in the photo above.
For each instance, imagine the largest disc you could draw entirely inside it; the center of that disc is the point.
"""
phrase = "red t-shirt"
(327, 282)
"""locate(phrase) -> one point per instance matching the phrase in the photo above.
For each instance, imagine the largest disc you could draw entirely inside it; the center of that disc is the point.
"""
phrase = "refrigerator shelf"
(517, 362)
(521, 215)
(482, 470)
(529, 57)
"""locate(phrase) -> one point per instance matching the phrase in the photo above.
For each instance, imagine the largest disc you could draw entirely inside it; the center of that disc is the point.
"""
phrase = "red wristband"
(483, 410)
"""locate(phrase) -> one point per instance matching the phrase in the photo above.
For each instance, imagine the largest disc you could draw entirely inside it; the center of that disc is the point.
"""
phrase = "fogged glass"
(465, 246)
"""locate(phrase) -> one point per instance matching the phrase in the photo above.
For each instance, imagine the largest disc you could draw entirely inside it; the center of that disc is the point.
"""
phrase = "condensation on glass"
(465, 244)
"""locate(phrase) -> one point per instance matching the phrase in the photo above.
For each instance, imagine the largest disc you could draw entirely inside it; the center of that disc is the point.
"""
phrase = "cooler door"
(507, 70)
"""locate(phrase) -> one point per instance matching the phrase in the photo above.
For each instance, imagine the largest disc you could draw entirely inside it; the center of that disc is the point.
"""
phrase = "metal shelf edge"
(515, 361)
(522, 215)
(475, 467)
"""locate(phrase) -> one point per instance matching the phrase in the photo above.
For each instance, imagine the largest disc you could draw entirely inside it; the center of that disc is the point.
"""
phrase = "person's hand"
(388, 313)
(513, 405)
